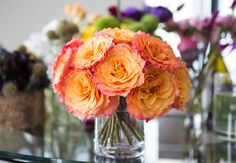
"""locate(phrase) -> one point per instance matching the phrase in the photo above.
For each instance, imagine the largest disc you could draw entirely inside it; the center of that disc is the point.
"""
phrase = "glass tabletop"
(166, 140)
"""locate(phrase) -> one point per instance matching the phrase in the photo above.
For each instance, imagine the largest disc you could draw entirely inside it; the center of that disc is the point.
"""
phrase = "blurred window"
(224, 7)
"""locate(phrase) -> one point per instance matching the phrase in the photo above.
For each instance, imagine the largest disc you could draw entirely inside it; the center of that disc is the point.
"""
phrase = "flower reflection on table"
(167, 142)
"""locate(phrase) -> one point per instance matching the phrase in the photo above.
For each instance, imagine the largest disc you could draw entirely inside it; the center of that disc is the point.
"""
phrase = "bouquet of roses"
(115, 63)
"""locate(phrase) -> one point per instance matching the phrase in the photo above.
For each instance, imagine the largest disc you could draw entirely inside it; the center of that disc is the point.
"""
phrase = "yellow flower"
(83, 99)
(91, 52)
(119, 35)
(184, 86)
(156, 52)
(120, 72)
(155, 97)
(88, 32)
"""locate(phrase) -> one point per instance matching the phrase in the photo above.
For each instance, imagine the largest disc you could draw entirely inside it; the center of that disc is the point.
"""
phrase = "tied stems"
(120, 129)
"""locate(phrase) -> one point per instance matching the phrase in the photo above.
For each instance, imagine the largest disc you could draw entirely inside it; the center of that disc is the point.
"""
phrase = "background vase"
(119, 136)
(25, 110)
(224, 107)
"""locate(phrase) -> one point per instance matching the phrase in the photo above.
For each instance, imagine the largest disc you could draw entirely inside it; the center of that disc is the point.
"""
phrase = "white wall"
(20, 18)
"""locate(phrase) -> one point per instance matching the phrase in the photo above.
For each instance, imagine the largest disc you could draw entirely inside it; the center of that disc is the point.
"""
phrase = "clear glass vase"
(119, 136)
(224, 117)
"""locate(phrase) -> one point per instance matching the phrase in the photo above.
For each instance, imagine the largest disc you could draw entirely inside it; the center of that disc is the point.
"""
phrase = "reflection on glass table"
(167, 140)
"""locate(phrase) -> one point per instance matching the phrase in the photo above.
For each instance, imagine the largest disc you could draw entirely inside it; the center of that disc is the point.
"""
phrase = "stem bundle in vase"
(118, 127)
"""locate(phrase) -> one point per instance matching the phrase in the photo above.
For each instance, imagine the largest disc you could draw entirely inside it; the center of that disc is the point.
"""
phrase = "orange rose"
(119, 35)
(184, 86)
(120, 72)
(91, 52)
(83, 98)
(155, 97)
(60, 66)
(156, 52)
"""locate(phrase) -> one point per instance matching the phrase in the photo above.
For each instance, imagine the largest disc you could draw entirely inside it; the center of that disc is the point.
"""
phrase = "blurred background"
(20, 18)
(201, 32)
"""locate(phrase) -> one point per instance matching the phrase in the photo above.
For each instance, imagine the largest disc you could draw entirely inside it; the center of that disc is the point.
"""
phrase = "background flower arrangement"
(201, 46)
(21, 71)
(132, 18)
(22, 80)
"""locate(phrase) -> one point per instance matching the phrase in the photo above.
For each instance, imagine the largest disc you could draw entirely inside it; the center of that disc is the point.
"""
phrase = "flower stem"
(139, 131)
(112, 129)
(108, 132)
(119, 9)
(117, 134)
(118, 124)
(123, 129)
(135, 132)
(103, 132)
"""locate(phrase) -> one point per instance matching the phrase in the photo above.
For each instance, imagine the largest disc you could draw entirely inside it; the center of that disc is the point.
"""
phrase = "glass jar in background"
(224, 117)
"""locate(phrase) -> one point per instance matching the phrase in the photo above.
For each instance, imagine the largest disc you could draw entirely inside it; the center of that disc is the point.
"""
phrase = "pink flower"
(188, 50)
(187, 43)
(183, 25)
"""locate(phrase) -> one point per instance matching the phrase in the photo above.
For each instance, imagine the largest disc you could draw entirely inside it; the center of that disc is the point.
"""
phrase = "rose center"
(118, 70)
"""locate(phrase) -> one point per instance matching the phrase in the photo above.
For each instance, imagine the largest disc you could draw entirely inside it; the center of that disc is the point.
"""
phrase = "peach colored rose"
(119, 35)
(83, 99)
(91, 52)
(60, 66)
(155, 97)
(156, 52)
(184, 86)
(120, 72)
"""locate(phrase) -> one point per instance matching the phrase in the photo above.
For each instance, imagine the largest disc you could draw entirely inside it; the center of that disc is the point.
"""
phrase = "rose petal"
(120, 72)
(156, 52)
(60, 66)
(112, 106)
(119, 35)
(91, 52)
(83, 99)
(153, 99)
(184, 86)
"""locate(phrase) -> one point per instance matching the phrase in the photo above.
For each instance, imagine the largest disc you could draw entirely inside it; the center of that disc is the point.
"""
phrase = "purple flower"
(147, 9)
(233, 46)
(132, 12)
(213, 20)
(89, 125)
(3, 51)
(221, 47)
(233, 5)
(162, 13)
(112, 10)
